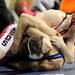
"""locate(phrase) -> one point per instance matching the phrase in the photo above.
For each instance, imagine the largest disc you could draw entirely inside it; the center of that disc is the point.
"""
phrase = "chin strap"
(54, 56)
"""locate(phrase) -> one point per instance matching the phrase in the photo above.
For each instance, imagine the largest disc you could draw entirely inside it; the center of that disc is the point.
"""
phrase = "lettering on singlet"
(7, 38)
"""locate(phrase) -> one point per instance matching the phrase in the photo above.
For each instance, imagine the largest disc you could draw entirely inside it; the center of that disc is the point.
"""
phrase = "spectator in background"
(67, 6)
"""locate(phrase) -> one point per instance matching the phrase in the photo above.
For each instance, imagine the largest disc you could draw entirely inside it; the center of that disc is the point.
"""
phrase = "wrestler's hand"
(57, 41)
(60, 44)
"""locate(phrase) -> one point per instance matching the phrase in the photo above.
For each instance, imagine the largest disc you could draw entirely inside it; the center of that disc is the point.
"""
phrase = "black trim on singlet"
(62, 21)
(66, 30)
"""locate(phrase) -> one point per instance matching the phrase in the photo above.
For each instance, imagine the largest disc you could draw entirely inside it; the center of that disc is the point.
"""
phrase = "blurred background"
(17, 7)
(32, 7)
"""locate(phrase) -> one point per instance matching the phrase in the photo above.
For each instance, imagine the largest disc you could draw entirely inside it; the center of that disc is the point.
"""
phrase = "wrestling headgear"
(34, 47)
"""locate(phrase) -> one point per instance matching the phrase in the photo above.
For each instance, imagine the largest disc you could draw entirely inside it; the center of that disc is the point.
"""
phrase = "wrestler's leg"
(29, 21)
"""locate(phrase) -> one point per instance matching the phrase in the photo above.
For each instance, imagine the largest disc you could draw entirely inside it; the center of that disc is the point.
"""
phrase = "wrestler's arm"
(70, 42)
(71, 46)
(29, 21)
(26, 21)
(33, 32)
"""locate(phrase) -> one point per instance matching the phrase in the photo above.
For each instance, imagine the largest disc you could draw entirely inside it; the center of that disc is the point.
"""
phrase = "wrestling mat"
(69, 69)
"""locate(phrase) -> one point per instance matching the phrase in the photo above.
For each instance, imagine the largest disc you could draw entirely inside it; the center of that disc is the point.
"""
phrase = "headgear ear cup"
(31, 47)
(35, 48)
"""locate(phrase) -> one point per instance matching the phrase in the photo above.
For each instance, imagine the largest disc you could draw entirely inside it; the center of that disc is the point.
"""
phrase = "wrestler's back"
(54, 19)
